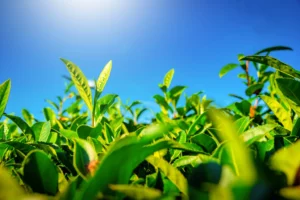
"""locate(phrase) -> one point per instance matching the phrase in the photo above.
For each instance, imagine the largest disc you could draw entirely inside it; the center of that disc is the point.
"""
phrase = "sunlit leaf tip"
(168, 78)
(103, 77)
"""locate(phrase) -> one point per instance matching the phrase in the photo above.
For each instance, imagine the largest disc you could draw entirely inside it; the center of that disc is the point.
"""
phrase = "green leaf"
(242, 124)
(257, 133)
(291, 90)
(287, 160)
(108, 133)
(243, 107)
(69, 134)
(227, 68)
(204, 141)
(85, 131)
(40, 173)
(296, 128)
(25, 128)
(198, 121)
(137, 191)
(27, 117)
(23, 147)
(270, 61)
(171, 172)
(4, 94)
(103, 77)
(50, 116)
(104, 103)
(283, 115)
(45, 132)
(182, 139)
(162, 102)
(80, 120)
(254, 89)
(168, 78)
(193, 160)
(80, 82)
(243, 165)
(84, 155)
(274, 48)
(117, 156)
(176, 91)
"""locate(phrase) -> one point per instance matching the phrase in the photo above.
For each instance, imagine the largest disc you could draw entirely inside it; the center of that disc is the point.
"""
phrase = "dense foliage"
(92, 146)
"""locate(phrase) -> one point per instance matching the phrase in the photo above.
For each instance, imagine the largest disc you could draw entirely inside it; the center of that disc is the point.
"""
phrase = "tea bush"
(93, 146)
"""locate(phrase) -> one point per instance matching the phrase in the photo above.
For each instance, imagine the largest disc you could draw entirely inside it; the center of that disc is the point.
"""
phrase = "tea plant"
(92, 146)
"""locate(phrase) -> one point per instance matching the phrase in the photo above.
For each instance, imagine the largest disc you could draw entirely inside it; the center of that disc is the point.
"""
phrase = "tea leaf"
(118, 156)
(275, 48)
(241, 124)
(103, 77)
(243, 165)
(257, 133)
(4, 94)
(171, 172)
(84, 156)
(290, 89)
(254, 89)
(168, 78)
(80, 82)
(273, 62)
(227, 68)
(40, 173)
(283, 115)
(287, 161)
(25, 128)
(137, 191)
(45, 132)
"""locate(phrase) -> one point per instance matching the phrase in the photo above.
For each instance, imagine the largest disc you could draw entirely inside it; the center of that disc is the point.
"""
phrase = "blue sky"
(143, 38)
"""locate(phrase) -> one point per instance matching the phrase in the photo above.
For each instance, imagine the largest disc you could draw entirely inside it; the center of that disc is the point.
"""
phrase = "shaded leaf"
(84, 156)
(171, 172)
(40, 173)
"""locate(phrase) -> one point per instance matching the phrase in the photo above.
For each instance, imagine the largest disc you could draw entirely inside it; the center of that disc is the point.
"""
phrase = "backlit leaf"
(283, 115)
(4, 94)
(273, 62)
(103, 77)
(227, 68)
(80, 82)
(168, 78)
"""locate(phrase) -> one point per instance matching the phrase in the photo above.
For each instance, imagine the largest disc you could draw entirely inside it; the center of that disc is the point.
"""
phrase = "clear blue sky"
(143, 38)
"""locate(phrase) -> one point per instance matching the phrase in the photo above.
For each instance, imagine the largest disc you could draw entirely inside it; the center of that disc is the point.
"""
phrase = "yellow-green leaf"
(81, 83)
(243, 164)
(171, 172)
(168, 78)
(283, 115)
(287, 160)
(137, 191)
(4, 93)
(103, 77)
(227, 68)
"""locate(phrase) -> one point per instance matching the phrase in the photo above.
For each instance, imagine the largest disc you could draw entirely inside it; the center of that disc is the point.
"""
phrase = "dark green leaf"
(40, 173)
